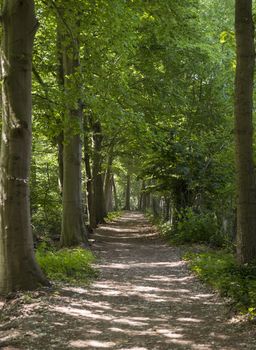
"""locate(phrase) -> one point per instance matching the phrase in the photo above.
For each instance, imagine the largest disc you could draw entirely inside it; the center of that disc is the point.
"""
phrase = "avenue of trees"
(124, 105)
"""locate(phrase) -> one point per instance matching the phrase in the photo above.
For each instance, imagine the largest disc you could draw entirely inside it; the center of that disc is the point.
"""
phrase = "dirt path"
(144, 299)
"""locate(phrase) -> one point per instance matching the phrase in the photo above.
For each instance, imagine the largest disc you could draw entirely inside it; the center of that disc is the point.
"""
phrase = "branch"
(38, 77)
(58, 12)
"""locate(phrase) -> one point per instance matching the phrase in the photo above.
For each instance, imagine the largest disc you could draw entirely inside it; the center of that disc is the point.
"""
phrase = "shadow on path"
(144, 299)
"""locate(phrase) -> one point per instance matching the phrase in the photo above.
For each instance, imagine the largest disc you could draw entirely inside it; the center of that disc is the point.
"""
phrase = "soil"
(144, 299)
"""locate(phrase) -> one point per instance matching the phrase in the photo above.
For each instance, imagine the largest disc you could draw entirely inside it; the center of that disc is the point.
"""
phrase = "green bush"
(220, 270)
(113, 215)
(193, 227)
(196, 227)
(69, 265)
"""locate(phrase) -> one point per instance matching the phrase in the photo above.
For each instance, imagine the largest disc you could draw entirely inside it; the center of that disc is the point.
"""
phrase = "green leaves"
(68, 265)
(227, 37)
(221, 271)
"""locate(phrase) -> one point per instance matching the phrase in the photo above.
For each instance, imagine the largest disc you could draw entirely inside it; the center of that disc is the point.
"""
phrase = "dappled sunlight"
(142, 294)
(10, 337)
(119, 230)
(91, 344)
(135, 348)
(170, 278)
(144, 299)
(81, 313)
(169, 333)
(145, 265)
(130, 322)
(188, 319)
(98, 305)
(74, 289)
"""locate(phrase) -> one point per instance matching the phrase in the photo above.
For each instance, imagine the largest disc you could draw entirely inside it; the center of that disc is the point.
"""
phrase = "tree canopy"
(132, 109)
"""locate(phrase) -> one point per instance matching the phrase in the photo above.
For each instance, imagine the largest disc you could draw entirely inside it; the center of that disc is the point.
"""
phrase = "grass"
(220, 270)
(211, 257)
(113, 215)
(67, 265)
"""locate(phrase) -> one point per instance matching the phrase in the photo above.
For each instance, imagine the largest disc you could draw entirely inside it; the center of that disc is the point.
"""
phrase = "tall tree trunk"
(60, 140)
(115, 193)
(148, 201)
(246, 201)
(108, 186)
(73, 227)
(128, 193)
(155, 206)
(167, 209)
(99, 198)
(89, 181)
(61, 82)
(142, 204)
(18, 269)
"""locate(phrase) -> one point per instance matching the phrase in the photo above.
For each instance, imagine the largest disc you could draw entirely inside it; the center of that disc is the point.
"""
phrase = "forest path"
(144, 299)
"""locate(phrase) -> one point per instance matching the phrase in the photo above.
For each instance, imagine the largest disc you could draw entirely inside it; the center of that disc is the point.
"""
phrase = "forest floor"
(145, 298)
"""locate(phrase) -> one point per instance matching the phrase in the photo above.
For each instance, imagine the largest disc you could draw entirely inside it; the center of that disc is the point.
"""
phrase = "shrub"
(69, 265)
(193, 227)
(113, 215)
(196, 227)
(220, 270)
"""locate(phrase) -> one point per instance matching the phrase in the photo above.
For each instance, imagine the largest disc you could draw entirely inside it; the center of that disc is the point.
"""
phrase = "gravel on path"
(144, 299)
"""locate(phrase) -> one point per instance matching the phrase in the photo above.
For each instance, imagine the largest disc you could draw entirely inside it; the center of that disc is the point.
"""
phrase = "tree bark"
(128, 193)
(18, 268)
(60, 140)
(115, 193)
(99, 198)
(89, 181)
(73, 227)
(142, 203)
(246, 200)
(155, 206)
(108, 186)
(61, 83)
(167, 209)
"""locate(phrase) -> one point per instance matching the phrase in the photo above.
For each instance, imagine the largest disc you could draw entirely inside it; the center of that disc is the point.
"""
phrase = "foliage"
(68, 265)
(220, 270)
(113, 215)
(45, 196)
(195, 227)
(161, 87)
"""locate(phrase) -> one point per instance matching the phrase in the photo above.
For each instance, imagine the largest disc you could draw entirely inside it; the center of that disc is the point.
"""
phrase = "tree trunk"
(115, 193)
(142, 204)
(109, 192)
(108, 188)
(73, 227)
(167, 209)
(155, 206)
(18, 268)
(246, 201)
(61, 82)
(89, 182)
(99, 198)
(128, 193)
(60, 161)
(148, 201)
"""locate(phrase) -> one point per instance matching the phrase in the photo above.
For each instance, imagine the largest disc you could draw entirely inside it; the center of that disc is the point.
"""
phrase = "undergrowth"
(220, 270)
(113, 215)
(210, 254)
(193, 227)
(67, 265)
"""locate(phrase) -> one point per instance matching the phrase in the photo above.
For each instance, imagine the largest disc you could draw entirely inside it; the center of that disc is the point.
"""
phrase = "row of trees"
(132, 108)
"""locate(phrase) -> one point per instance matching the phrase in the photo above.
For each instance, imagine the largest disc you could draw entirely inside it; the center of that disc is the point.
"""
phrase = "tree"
(128, 193)
(18, 269)
(73, 228)
(98, 188)
(246, 191)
